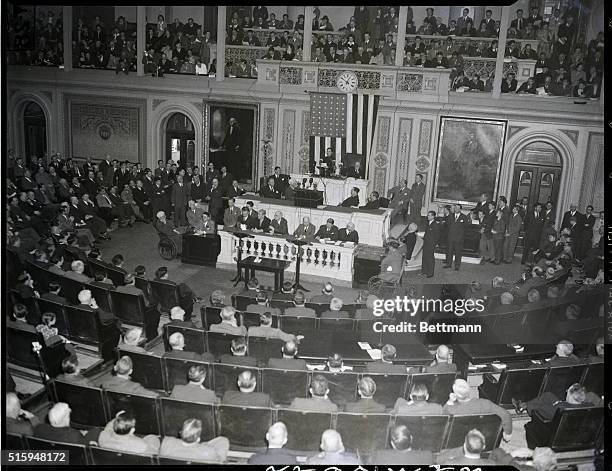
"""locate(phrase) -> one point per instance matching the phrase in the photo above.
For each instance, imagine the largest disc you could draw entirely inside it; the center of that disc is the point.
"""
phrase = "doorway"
(537, 175)
(180, 140)
(34, 132)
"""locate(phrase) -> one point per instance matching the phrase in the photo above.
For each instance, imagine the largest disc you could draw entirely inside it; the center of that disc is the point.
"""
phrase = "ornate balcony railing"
(484, 66)
(324, 260)
(415, 83)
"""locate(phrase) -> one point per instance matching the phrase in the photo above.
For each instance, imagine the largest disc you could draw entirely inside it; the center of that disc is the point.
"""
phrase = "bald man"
(348, 234)
(441, 362)
(332, 451)
(58, 429)
(306, 230)
(246, 396)
(275, 454)
(460, 402)
(18, 420)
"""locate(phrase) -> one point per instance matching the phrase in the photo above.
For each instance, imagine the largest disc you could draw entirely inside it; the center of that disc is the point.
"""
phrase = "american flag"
(345, 123)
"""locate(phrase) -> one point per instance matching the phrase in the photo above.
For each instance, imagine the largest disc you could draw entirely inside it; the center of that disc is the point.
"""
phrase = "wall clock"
(347, 81)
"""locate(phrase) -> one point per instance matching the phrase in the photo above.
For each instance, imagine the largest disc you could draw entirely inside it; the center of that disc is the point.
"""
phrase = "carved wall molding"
(403, 158)
(288, 137)
(158, 101)
(512, 130)
(573, 135)
(267, 151)
(304, 156)
(425, 136)
(269, 124)
(592, 191)
(384, 128)
(305, 127)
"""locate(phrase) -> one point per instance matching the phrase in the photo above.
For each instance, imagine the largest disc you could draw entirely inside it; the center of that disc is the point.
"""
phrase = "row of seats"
(163, 373)
(244, 426)
(81, 455)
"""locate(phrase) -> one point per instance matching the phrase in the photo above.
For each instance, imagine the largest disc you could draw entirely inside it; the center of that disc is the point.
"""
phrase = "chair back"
(46, 305)
(86, 402)
(430, 430)
(148, 369)
(164, 294)
(102, 297)
(342, 386)
(439, 385)
(175, 411)
(388, 387)
(144, 408)
(176, 371)
(351, 427)
(130, 308)
(284, 385)
(226, 377)
(304, 428)
(78, 453)
(104, 456)
(264, 348)
(490, 426)
(243, 426)
(576, 428)
(195, 339)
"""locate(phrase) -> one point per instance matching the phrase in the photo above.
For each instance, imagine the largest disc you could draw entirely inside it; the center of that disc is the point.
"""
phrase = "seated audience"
(229, 323)
(119, 435)
(335, 310)
(190, 446)
(418, 403)
(18, 420)
(245, 396)
(276, 436)
(385, 365)
(441, 362)
(333, 451)
(195, 390)
(468, 454)
(59, 429)
(366, 389)
(319, 402)
(238, 355)
(401, 452)
(122, 382)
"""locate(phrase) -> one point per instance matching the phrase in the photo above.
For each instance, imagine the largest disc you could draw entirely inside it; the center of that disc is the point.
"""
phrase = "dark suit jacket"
(344, 237)
(456, 227)
(262, 224)
(350, 201)
(229, 359)
(180, 195)
(314, 405)
(183, 355)
(273, 456)
(251, 222)
(432, 236)
(266, 192)
(253, 399)
(287, 364)
(62, 434)
(380, 367)
(280, 227)
(566, 219)
(440, 368)
(364, 406)
(327, 233)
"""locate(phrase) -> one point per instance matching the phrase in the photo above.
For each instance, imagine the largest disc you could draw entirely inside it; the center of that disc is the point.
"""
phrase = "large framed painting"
(468, 161)
(231, 134)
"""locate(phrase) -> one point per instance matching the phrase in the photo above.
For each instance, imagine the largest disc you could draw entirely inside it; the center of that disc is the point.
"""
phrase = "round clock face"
(347, 81)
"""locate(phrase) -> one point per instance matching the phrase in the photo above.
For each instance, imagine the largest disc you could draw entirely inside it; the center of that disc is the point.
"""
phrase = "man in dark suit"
(366, 404)
(353, 200)
(262, 223)
(348, 234)
(456, 223)
(417, 192)
(401, 452)
(319, 402)
(194, 390)
(278, 225)
(488, 23)
(239, 354)
(573, 212)
(246, 221)
(246, 395)
(534, 223)
(399, 199)
(470, 453)
(279, 180)
(300, 310)
(122, 381)
(276, 437)
(306, 230)
(197, 189)
(328, 231)
(288, 361)
(179, 199)
(215, 202)
(430, 241)
(177, 344)
(373, 201)
(225, 180)
(388, 353)
(519, 22)
(234, 190)
(232, 143)
(356, 171)
(270, 190)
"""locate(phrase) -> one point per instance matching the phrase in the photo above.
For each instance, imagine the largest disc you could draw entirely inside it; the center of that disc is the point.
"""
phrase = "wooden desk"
(337, 189)
(464, 354)
(267, 264)
(201, 249)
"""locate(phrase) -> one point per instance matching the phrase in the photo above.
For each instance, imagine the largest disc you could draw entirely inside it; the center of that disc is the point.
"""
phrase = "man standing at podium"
(270, 190)
(328, 163)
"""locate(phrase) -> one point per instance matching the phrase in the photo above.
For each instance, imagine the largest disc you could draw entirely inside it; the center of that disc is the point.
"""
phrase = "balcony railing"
(414, 83)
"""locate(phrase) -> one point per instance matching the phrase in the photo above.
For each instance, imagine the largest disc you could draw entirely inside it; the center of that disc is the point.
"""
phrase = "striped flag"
(344, 123)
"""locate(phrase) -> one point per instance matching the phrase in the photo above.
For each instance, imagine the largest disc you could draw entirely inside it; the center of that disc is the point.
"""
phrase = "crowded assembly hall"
(305, 235)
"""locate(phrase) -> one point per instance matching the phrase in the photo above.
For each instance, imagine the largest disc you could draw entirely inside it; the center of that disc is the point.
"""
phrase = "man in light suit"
(319, 402)
(246, 395)
(306, 230)
(179, 198)
(299, 310)
(265, 329)
(366, 403)
(457, 223)
(194, 391)
(333, 451)
(512, 232)
(194, 214)
(401, 452)
(228, 323)
(205, 225)
(288, 361)
(232, 214)
(189, 446)
(418, 404)
(122, 382)
(460, 403)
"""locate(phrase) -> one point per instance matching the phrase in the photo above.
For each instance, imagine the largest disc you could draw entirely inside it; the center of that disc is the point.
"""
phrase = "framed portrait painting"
(468, 160)
(231, 138)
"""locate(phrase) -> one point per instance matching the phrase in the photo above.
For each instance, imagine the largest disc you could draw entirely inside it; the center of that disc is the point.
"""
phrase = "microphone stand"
(299, 243)
(238, 278)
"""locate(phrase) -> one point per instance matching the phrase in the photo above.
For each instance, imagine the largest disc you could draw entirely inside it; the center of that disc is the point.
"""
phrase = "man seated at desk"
(205, 225)
(262, 224)
(348, 234)
(328, 231)
(278, 225)
(356, 171)
(232, 214)
(270, 190)
(246, 221)
(353, 200)
(306, 230)
(373, 201)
